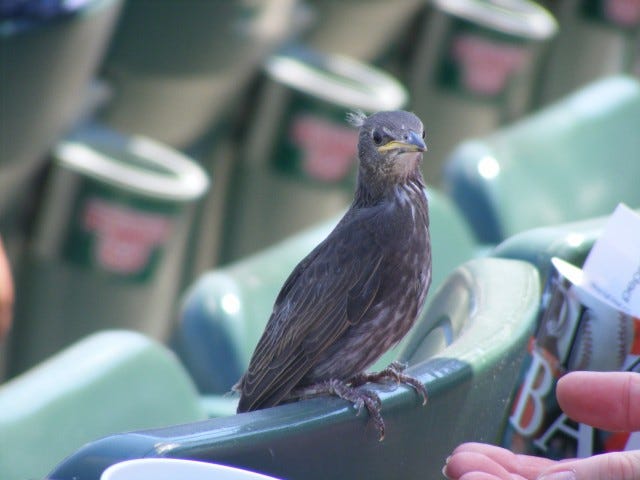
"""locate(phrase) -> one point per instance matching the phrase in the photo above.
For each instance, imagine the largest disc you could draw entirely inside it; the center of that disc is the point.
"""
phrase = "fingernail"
(563, 475)
(444, 472)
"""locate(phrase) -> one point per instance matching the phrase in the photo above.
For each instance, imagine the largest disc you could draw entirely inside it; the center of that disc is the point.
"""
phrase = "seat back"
(225, 311)
(108, 382)
(46, 70)
(574, 160)
(467, 351)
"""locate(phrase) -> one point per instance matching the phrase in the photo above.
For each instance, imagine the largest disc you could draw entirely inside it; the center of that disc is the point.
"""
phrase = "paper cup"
(173, 469)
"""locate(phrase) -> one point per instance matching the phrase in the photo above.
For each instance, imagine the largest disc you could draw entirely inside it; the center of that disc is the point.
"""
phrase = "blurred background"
(145, 142)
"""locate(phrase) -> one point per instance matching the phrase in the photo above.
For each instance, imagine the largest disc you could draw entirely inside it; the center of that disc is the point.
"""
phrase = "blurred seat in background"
(225, 311)
(49, 52)
(46, 66)
(106, 383)
(182, 73)
(467, 350)
(573, 160)
(108, 244)
(475, 67)
(596, 39)
(177, 68)
(338, 27)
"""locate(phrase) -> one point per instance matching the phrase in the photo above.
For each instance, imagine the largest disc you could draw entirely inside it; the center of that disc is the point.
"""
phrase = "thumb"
(608, 466)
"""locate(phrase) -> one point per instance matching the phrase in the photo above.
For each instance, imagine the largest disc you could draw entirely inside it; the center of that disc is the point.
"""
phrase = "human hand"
(606, 400)
(6, 293)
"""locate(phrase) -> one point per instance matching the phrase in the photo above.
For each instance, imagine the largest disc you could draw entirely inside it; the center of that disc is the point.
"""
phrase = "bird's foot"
(351, 390)
(394, 372)
(359, 397)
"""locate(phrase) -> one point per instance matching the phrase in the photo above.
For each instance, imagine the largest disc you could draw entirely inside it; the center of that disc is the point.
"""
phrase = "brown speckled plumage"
(358, 292)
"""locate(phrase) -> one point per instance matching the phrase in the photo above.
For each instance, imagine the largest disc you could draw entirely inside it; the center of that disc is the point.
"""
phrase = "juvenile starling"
(360, 290)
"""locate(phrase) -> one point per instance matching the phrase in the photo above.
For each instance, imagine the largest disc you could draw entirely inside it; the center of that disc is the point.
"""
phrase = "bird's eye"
(424, 134)
(377, 137)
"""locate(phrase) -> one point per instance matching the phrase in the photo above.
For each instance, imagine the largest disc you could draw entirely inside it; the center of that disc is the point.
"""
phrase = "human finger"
(482, 476)
(6, 293)
(607, 466)
(606, 400)
(525, 465)
(469, 465)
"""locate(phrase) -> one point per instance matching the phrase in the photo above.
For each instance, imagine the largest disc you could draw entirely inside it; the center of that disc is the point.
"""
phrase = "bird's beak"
(413, 143)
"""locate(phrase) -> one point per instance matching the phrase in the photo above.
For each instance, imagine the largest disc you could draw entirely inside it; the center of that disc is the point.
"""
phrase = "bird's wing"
(331, 289)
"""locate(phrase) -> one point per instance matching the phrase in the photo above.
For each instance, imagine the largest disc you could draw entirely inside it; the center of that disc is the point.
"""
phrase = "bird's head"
(390, 146)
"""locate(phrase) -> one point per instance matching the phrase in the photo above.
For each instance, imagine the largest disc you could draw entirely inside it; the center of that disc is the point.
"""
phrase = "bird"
(360, 290)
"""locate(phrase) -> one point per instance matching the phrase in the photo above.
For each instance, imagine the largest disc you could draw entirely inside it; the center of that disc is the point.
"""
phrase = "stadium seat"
(109, 382)
(46, 69)
(467, 350)
(569, 241)
(574, 160)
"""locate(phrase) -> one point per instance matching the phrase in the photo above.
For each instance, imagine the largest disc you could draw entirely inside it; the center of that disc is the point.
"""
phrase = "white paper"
(612, 269)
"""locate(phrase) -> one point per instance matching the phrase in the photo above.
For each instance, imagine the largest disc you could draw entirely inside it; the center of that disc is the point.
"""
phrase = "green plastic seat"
(467, 350)
(178, 67)
(108, 382)
(574, 160)
(225, 311)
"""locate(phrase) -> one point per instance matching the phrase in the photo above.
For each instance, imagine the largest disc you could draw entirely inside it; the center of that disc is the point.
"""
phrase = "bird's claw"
(395, 373)
(359, 397)
(365, 398)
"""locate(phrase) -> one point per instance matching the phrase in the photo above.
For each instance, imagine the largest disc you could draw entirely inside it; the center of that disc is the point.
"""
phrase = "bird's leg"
(395, 373)
(358, 397)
